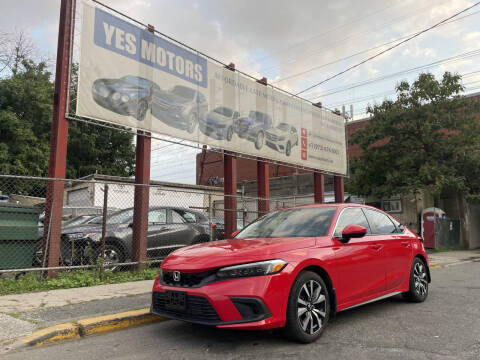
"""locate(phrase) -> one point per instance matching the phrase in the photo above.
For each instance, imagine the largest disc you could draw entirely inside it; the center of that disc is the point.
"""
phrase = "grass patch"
(32, 282)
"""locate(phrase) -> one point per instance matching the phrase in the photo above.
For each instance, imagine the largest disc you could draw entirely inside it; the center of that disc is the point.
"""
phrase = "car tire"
(418, 282)
(192, 123)
(142, 109)
(288, 149)
(113, 254)
(229, 133)
(307, 311)
(259, 140)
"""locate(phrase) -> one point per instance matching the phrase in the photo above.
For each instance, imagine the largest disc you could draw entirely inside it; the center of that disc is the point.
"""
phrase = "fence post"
(104, 227)
(210, 216)
(230, 193)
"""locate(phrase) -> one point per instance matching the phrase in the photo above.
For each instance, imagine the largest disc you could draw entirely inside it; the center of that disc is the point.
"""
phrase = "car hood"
(213, 117)
(115, 84)
(91, 228)
(276, 131)
(171, 98)
(207, 256)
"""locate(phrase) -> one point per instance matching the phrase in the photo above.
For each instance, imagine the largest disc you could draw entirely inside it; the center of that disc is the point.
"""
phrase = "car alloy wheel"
(142, 110)
(288, 149)
(420, 279)
(192, 122)
(229, 133)
(311, 307)
(259, 141)
(111, 257)
(308, 308)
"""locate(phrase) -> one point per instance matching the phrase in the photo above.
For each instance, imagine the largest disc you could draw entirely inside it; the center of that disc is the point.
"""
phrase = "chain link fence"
(97, 221)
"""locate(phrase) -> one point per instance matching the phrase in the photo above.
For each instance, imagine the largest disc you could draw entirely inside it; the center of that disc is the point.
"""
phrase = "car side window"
(177, 218)
(158, 216)
(381, 223)
(189, 217)
(351, 216)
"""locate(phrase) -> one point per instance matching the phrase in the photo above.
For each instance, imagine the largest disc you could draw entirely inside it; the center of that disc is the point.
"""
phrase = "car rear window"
(298, 222)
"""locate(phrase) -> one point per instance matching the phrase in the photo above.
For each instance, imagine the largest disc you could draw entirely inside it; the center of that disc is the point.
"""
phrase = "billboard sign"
(132, 77)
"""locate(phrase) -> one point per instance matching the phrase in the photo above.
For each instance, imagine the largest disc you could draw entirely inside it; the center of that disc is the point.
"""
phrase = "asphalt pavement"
(446, 326)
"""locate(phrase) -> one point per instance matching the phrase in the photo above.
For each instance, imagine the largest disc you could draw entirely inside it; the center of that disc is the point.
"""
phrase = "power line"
(360, 52)
(455, 58)
(386, 50)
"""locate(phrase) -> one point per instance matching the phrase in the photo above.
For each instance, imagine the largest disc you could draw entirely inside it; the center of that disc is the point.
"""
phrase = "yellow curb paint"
(52, 334)
(90, 326)
(436, 266)
(116, 321)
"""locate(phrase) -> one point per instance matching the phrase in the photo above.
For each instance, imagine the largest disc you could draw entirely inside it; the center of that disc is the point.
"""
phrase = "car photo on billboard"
(282, 138)
(129, 95)
(253, 127)
(179, 107)
(218, 123)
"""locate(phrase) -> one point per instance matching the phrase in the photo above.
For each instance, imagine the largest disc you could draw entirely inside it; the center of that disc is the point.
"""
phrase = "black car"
(129, 95)
(180, 107)
(218, 225)
(169, 228)
(253, 127)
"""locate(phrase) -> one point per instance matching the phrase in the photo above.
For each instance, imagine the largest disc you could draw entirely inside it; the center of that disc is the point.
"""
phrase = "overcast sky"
(282, 39)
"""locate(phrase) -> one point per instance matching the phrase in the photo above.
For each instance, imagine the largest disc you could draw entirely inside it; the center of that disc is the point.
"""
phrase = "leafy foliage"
(26, 105)
(428, 138)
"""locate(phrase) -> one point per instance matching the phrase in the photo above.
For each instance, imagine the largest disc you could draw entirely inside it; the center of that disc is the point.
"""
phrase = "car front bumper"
(170, 117)
(125, 108)
(213, 131)
(252, 303)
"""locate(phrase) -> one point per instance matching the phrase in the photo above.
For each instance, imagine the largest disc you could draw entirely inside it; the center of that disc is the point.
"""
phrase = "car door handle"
(405, 243)
(376, 247)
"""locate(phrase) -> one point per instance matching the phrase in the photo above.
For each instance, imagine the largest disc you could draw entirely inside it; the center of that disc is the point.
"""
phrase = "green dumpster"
(18, 235)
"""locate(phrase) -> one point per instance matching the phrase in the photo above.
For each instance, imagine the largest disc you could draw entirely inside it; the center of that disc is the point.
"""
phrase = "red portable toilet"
(428, 225)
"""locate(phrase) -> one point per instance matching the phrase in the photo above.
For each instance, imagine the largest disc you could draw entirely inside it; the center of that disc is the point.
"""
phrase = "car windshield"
(77, 220)
(224, 111)
(184, 92)
(121, 217)
(256, 115)
(134, 80)
(299, 222)
(283, 126)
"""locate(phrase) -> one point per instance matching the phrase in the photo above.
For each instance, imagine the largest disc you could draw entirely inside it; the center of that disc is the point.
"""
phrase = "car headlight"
(93, 236)
(268, 267)
(125, 98)
(116, 96)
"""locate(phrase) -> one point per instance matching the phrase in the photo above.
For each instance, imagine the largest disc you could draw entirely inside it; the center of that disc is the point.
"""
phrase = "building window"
(392, 205)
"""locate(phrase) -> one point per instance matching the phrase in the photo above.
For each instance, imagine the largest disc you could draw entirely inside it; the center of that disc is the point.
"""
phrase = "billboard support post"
(141, 199)
(263, 178)
(319, 187)
(142, 195)
(230, 186)
(338, 189)
(58, 137)
(318, 179)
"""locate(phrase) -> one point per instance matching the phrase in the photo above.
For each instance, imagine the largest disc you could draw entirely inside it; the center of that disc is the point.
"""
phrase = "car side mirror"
(235, 233)
(352, 231)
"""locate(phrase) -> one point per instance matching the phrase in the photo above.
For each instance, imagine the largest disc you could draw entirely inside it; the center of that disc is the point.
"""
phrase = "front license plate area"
(176, 301)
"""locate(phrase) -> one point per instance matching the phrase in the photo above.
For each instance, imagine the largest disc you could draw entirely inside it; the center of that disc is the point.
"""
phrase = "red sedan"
(293, 268)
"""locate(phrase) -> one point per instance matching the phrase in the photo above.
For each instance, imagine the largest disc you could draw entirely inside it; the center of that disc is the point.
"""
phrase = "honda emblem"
(176, 275)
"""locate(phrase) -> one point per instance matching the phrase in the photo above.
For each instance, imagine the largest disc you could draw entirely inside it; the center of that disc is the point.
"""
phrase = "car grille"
(162, 104)
(198, 309)
(186, 279)
(271, 137)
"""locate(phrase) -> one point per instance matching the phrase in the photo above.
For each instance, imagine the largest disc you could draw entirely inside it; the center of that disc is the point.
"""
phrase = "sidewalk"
(22, 314)
(452, 258)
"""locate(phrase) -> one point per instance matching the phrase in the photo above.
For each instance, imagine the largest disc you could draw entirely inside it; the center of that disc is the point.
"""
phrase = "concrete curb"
(90, 326)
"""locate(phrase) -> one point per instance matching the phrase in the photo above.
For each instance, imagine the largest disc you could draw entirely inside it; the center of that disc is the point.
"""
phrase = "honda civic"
(293, 269)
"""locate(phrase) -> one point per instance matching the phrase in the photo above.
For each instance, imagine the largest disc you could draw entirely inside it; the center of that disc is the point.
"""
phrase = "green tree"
(428, 138)
(26, 105)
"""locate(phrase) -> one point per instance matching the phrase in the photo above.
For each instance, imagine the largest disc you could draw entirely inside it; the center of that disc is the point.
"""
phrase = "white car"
(282, 138)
